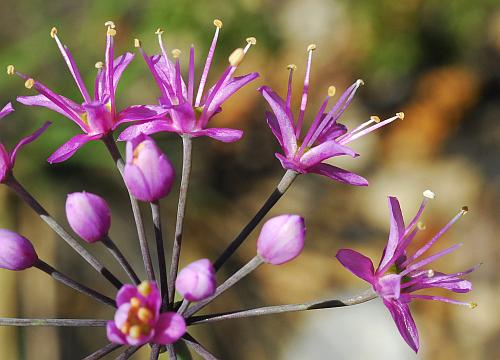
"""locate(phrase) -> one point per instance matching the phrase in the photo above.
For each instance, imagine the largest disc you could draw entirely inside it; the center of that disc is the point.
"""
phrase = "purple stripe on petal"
(397, 230)
(67, 150)
(220, 134)
(338, 174)
(358, 264)
(325, 151)
(404, 322)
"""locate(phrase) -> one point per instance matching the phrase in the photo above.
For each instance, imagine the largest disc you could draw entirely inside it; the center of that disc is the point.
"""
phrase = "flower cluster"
(146, 309)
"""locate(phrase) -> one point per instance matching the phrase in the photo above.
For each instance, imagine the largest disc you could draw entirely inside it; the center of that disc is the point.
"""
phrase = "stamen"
(135, 302)
(430, 273)
(218, 23)
(176, 53)
(311, 47)
(135, 331)
(144, 288)
(236, 57)
(29, 83)
(360, 82)
(250, 41)
(472, 305)
(331, 91)
(400, 115)
(109, 24)
(144, 314)
(429, 194)
(421, 226)
(11, 70)
(111, 32)
(125, 328)
(53, 32)
(99, 65)
(464, 210)
(292, 68)
(159, 31)
(137, 43)
(351, 137)
(374, 118)
(305, 91)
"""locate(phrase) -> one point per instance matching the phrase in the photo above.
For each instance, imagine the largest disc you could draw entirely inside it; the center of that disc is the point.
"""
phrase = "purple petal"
(404, 321)
(288, 164)
(120, 64)
(148, 128)
(357, 263)
(338, 174)
(272, 122)
(325, 151)
(169, 328)
(284, 118)
(332, 133)
(7, 109)
(27, 140)
(395, 235)
(114, 334)
(5, 165)
(126, 293)
(140, 113)
(67, 150)
(220, 134)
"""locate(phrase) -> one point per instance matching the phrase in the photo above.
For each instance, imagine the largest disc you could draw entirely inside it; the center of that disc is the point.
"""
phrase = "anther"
(473, 305)
(430, 273)
(292, 67)
(29, 83)
(421, 226)
(331, 91)
(464, 210)
(135, 331)
(159, 31)
(135, 302)
(176, 53)
(144, 288)
(111, 32)
(359, 82)
(110, 24)
(236, 57)
(251, 40)
(429, 194)
(218, 23)
(53, 32)
(99, 65)
(144, 314)
(311, 47)
(11, 69)
(375, 118)
(137, 43)
(400, 115)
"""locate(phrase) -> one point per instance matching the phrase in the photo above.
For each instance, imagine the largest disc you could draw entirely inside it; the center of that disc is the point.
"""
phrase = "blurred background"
(436, 61)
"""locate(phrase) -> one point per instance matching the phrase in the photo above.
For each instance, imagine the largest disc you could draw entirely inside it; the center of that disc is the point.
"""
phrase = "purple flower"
(281, 239)
(7, 160)
(189, 114)
(325, 138)
(88, 215)
(148, 173)
(97, 115)
(138, 319)
(16, 252)
(400, 273)
(196, 281)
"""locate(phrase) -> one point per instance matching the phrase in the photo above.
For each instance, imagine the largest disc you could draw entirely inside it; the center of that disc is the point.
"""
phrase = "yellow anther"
(311, 47)
(292, 67)
(144, 314)
(429, 194)
(360, 82)
(99, 65)
(400, 115)
(137, 43)
(111, 32)
(135, 302)
(110, 24)
(331, 91)
(236, 57)
(144, 287)
(430, 273)
(473, 305)
(251, 40)
(159, 31)
(176, 53)
(218, 23)
(375, 118)
(464, 210)
(11, 69)
(135, 331)
(29, 83)
(53, 32)
(421, 226)
(125, 328)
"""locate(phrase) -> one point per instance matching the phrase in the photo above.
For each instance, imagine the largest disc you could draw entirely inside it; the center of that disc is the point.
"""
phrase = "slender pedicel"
(305, 91)
(160, 249)
(155, 352)
(129, 352)
(181, 210)
(53, 322)
(171, 352)
(118, 255)
(279, 309)
(237, 276)
(102, 352)
(198, 348)
(45, 216)
(282, 187)
(74, 284)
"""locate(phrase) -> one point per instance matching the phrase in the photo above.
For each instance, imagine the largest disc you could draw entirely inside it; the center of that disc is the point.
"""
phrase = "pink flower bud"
(196, 281)
(281, 239)
(88, 215)
(149, 175)
(16, 252)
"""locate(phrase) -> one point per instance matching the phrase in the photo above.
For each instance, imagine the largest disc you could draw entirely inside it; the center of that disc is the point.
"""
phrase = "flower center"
(139, 317)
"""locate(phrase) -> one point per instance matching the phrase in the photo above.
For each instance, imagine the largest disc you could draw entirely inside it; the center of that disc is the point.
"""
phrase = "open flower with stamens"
(189, 114)
(326, 138)
(8, 159)
(400, 274)
(97, 115)
(138, 319)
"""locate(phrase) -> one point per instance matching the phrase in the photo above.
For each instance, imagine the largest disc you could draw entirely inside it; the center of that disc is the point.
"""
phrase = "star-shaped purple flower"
(188, 114)
(325, 138)
(97, 115)
(400, 273)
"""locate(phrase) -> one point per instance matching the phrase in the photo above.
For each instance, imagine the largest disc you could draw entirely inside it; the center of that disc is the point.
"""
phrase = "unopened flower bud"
(149, 175)
(88, 215)
(281, 239)
(196, 281)
(16, 252)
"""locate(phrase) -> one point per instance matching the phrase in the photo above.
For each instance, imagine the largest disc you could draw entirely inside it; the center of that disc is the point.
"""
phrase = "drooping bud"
(148, 173)
(196, 281)
(281, 239)
(16, 252)
(88, 215)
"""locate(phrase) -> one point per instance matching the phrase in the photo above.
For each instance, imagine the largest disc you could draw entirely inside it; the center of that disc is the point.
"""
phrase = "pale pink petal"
(169, 328)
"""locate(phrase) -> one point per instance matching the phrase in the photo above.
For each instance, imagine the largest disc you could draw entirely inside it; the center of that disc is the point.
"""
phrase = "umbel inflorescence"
(146, 310)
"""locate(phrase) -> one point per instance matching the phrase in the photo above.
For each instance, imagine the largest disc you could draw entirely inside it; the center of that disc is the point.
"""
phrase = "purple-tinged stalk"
(401, 273)
(188, 115)
(97, 116)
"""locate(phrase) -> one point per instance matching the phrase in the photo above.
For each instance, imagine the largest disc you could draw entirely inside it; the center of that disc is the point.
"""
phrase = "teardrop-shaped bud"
(88, 215)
